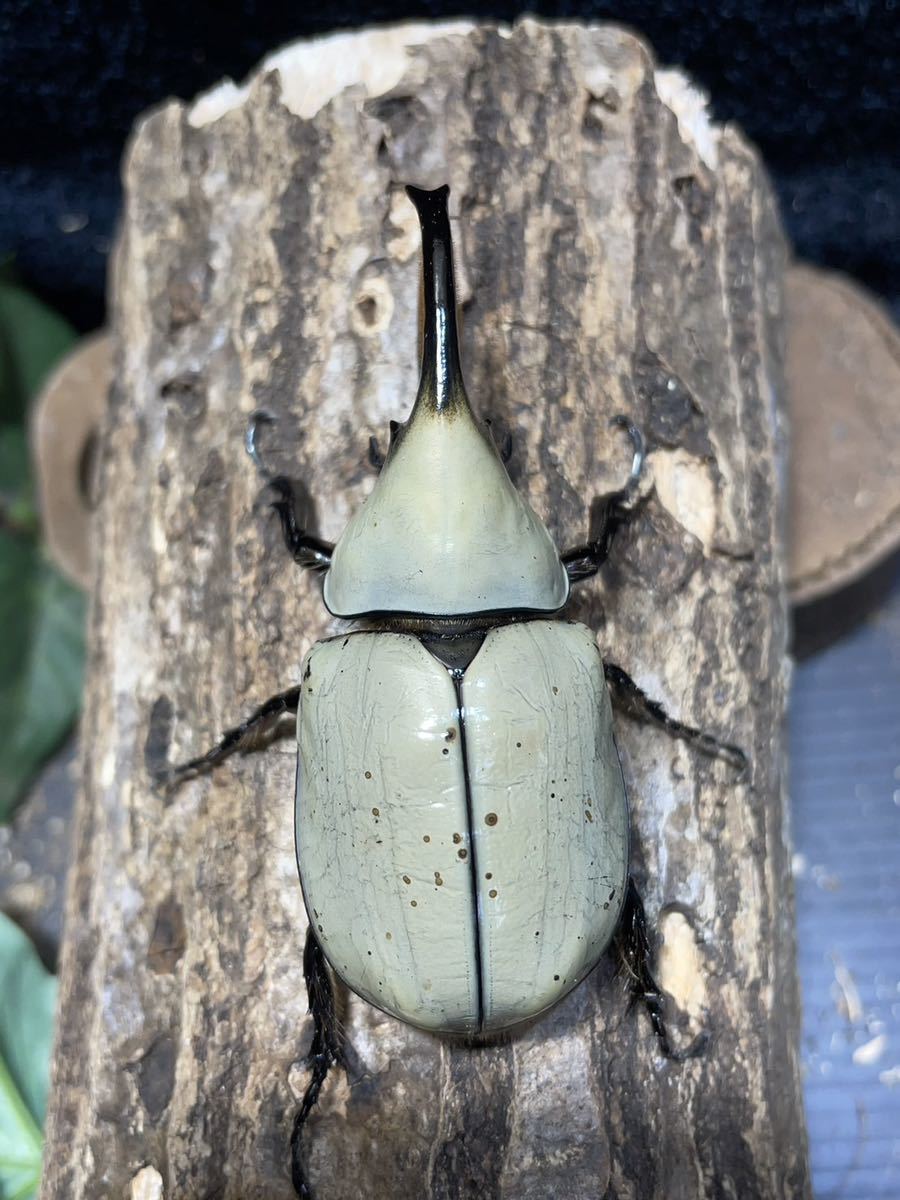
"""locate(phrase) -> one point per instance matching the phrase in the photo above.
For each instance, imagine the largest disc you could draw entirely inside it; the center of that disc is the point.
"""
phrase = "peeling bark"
(616, 254)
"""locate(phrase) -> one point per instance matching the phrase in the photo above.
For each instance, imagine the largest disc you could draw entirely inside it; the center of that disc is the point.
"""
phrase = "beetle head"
(444, 532)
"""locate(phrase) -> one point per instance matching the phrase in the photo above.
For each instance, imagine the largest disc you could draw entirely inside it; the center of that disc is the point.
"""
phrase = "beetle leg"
(377, 457)
(608, 514)
(636, 703)
(305, 549)
(632, 949)
(325, 1051)
(246, 736)
(502, 439)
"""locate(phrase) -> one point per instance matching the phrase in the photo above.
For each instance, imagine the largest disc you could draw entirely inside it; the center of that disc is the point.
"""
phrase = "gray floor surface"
(845, 776)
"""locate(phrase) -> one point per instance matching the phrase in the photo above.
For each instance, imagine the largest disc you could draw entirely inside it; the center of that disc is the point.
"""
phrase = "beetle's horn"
(441, 384)
(443, 532)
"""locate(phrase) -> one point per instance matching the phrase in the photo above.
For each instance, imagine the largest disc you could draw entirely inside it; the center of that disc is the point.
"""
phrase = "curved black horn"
(441, 383)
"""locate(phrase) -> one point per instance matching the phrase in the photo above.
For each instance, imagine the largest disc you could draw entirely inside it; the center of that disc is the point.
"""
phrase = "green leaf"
(41, 663)
(16, 494)
(26, 1035)
(41, 616)
(32, 340)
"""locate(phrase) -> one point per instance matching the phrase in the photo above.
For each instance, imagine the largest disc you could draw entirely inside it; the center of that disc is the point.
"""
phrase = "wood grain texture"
(606, 265)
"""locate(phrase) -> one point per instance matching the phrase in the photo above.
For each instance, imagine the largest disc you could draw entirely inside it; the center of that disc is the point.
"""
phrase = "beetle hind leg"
(635, 702)
(325, 1052)
(248, 735)
(633, 953)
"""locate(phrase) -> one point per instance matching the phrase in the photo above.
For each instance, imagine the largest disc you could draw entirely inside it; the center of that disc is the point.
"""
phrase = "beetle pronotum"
(455, 748)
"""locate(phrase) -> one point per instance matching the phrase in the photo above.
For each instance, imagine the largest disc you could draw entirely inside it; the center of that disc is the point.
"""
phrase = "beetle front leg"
(246, 736)
(636, 703)
(632, 949)
(608, 514)
(377, 458)
(305, 548)
(325, 1052)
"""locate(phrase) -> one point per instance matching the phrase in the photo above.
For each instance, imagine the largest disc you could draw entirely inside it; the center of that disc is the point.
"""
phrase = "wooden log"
(617, 253)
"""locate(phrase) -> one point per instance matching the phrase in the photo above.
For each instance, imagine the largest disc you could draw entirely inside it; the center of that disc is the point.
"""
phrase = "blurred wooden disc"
(843, 380)
(64, 426)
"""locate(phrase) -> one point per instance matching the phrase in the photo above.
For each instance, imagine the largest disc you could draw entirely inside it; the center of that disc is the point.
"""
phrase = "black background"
(815, 86)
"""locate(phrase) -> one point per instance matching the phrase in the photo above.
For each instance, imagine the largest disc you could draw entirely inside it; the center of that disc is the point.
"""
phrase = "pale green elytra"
(497, 936)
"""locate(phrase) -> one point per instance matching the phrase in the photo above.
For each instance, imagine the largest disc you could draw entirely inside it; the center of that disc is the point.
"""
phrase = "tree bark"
(617, 253)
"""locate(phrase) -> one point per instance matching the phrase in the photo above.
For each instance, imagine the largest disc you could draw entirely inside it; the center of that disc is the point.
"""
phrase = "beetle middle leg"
(633, 952)
(325, 1052)
(636, 703)
(608, 514)
(245, 736)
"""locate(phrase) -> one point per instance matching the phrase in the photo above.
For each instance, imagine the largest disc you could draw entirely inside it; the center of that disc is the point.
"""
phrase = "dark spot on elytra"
(406, 879)
(450, 735)
(457, 838)
(437, 879)
(462, 853)
(493, 893)
(368, 774)
(491, 819)
(376, 812)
